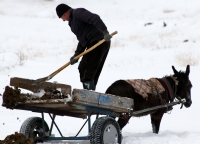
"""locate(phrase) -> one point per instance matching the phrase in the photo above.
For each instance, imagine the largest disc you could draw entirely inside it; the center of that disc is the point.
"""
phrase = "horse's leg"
(155, 121)
(123, 121)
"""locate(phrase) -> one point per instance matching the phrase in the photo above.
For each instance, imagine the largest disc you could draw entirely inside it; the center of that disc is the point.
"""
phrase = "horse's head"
(184, 85)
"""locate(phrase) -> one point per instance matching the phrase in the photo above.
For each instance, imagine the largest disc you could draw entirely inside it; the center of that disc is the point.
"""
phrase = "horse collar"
(169, 87)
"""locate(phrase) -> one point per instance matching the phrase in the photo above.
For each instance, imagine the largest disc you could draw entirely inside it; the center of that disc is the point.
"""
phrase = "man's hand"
(72, 60)
(106, 35)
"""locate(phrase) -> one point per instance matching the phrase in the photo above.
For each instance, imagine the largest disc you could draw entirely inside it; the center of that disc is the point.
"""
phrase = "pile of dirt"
(11, 97)
(17, 138)
(52, 94)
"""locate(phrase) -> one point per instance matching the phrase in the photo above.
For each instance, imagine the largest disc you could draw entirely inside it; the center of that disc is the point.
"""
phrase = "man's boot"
(89, 85)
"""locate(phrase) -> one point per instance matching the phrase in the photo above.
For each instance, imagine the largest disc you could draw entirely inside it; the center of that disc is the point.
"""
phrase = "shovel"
(38, 81)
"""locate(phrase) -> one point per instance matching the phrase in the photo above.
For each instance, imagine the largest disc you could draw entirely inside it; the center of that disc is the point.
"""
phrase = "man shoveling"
(89, 30)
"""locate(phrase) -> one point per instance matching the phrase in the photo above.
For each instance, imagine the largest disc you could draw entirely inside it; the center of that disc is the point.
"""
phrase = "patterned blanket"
(143, 87)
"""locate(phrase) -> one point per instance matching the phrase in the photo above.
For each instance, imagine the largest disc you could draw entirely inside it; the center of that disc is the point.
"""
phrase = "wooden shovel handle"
(78, 56)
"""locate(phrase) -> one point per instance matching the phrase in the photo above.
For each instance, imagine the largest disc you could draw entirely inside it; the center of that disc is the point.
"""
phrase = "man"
(89, 29)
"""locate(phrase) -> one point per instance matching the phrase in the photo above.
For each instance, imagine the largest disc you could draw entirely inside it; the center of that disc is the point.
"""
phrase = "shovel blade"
(40, 80)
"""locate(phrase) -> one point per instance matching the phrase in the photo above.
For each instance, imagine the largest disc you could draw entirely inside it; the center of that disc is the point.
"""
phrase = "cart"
(77, 103)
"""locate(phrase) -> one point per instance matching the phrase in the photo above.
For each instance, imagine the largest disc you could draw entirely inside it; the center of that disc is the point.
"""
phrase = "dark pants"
(92, 63)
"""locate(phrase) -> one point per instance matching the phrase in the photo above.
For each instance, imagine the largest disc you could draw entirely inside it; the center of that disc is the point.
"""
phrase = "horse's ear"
(175, 71)
(188, 70)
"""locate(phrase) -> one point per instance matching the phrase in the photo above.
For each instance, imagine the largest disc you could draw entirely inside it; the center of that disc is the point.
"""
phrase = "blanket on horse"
(143, 87)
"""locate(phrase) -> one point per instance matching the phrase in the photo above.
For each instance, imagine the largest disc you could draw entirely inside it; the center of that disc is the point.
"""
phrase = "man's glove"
(72, 60)
(106, 35)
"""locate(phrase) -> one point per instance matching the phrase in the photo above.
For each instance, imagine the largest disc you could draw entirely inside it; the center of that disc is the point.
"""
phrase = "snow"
(39, 94)
(35, 43)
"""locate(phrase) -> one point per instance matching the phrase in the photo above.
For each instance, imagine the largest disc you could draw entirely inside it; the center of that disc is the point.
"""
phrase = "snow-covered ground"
(34, 43)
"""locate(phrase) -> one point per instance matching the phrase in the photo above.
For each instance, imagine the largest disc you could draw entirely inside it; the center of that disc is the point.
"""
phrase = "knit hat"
(61, 9)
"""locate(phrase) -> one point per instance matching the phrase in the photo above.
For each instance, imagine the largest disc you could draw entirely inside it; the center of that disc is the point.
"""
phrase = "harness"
(172, 93)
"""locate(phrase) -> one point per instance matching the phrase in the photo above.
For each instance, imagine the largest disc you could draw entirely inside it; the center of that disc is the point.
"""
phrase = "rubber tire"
(92, 133)
(98, 128)
(31, 125)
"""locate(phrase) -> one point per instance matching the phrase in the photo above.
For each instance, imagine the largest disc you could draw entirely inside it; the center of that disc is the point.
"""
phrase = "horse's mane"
(180, 73)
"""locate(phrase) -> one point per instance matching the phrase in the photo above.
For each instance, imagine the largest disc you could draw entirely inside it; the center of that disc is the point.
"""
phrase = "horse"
(176, 86)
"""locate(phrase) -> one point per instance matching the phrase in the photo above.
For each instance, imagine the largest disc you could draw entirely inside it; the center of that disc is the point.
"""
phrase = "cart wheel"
(105, 130)
(32, 128)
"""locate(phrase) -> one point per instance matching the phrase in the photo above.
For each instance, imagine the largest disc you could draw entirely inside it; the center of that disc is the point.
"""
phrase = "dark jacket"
(87, 27)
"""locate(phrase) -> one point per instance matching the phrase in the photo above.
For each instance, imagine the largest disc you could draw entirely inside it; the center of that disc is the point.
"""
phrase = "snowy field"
(34, 43)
